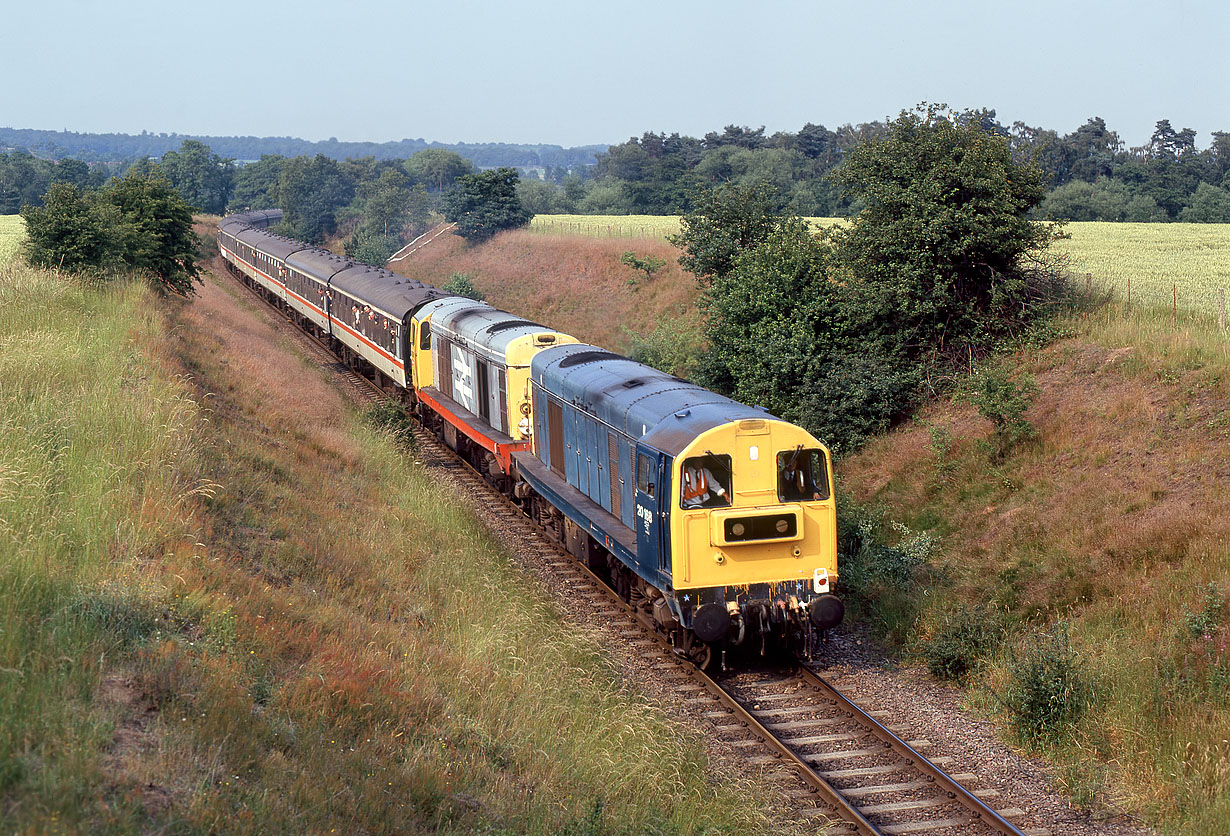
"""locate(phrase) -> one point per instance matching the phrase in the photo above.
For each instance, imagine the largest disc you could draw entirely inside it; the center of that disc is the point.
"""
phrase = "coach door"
(484, 391)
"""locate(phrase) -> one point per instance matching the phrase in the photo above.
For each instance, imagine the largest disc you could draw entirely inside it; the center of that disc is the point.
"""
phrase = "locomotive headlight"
(738, 529)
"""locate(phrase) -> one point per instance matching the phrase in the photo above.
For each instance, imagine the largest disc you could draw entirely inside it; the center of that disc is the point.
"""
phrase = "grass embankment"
(229, 607)
(1114, 521)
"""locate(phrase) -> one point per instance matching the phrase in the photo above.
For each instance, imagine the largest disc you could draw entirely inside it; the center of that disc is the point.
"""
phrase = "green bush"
(881, 566)
(1048, 689)
(460, 284)
(962, 642)
(852, 397)
(1208, 620)
(370, 247)
(649, 265)
(673, 346)
(941, 448)
(392, 418)
(1003, 401)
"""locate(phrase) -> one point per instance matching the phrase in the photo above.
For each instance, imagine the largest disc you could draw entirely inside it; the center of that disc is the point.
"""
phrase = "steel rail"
(977, 807)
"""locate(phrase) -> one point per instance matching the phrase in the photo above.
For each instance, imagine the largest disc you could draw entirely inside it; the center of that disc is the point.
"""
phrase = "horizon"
(1200, 145)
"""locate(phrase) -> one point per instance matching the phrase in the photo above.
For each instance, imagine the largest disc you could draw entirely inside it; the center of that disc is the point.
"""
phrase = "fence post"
(1129, 302)
(1174, 303)
(1221, 308)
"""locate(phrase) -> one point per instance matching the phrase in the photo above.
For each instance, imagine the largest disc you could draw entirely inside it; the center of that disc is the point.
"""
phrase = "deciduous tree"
(437, 169)
(139, 222)
(159, 240)
(203, 178)
(310, 191)
(944, 248)
(485, 203)
(73, 230)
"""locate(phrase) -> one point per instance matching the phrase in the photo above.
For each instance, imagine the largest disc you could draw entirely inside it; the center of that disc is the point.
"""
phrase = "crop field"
(619, 226)
(607, 226)
(1159, 261)
(1183, 264)
(12, 231)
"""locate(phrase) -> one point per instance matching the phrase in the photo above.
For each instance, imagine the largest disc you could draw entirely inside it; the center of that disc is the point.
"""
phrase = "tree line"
(375, 205)
(119, 148)
(143, 220)
(1087, 174)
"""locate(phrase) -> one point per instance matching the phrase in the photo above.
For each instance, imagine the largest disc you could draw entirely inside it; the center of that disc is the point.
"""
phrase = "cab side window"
(802, 476)
(644, 474)
(705, 482)
(425, 336)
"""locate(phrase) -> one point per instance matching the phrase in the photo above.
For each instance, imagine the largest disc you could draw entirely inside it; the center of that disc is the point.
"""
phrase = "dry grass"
(621, 226)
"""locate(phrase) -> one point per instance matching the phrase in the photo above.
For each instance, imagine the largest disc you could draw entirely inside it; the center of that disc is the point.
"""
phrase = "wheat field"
(1162, 264)
(12, 231)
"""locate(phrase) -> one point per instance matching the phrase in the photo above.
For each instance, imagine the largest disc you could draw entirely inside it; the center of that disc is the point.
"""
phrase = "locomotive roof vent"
(582, 357)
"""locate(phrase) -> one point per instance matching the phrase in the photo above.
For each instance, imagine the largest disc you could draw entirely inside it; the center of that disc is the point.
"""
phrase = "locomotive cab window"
(705, 482)
(425, 336)
(802, 476)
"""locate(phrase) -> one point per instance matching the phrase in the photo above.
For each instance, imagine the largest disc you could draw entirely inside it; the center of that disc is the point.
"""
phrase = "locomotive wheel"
(701, 655)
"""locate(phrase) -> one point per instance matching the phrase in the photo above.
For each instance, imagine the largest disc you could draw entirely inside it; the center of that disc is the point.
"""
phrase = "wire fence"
(1177, 297)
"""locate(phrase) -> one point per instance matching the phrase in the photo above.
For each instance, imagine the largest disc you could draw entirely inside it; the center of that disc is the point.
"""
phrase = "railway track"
(837, 764)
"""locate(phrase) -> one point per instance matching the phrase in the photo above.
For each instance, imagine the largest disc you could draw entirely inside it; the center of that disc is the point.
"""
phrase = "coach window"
(802, 475)
(706, 482)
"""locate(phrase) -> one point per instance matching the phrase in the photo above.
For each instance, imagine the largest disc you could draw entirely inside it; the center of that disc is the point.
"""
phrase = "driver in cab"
(701, 489)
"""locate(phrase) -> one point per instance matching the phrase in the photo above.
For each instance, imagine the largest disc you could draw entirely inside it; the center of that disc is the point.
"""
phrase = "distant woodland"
(1088, 174)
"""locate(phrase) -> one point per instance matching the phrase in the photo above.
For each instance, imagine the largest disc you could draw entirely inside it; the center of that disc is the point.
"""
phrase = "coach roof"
(388, 292)
(320, 264)
(273, 245)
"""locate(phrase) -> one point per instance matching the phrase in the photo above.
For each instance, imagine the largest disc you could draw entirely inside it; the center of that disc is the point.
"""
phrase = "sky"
(580, 73)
